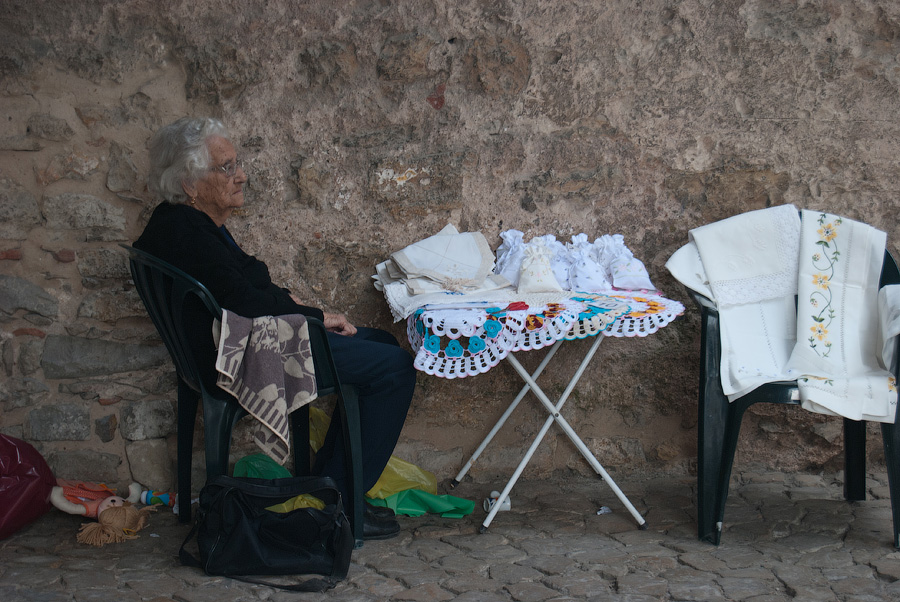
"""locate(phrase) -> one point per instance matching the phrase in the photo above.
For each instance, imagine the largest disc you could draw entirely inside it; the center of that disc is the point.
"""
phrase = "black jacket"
(191, 241)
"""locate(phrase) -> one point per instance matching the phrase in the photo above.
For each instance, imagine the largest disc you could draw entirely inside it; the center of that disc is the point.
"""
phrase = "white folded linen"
(889, 318)
(758, 327)
(757, 340)
(453, 259)
(765, 339)
(403, 304)
(752, 256)
(687, 268)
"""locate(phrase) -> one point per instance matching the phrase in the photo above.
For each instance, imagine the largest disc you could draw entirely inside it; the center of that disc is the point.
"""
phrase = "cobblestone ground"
(787, 537)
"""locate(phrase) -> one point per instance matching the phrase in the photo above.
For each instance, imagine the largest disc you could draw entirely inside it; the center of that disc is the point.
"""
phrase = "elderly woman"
(195, 170)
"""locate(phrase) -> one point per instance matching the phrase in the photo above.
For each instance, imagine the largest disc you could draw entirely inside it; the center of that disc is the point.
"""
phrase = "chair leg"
(714, 413)
(735, 415)
(219, 419)
(854, 460)
(711, 436)
(187, 418)
(719, 425)
(890, 434)
(348, 404)
(300, 441)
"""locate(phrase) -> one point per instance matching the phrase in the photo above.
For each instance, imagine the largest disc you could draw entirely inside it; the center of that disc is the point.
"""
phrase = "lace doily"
(600, 313)
(647, 314)
(455, 343)
(454, 323)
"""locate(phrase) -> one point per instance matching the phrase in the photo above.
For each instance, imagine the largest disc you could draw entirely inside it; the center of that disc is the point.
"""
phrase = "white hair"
(178, 154)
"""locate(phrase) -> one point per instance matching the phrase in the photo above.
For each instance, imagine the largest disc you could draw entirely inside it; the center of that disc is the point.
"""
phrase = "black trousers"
(383, 373)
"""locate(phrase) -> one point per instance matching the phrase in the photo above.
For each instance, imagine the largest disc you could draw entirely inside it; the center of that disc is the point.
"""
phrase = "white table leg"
(554, 411)
(505, 416)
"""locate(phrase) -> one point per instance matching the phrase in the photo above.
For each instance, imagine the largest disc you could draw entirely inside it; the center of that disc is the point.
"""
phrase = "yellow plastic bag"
(304, 500)
(318, 426)
(399, 475)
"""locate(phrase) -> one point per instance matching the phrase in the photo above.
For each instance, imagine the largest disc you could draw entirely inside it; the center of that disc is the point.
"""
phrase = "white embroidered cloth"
(837, 321)
(760, 335)
(441, 268)
(402, 303)
(267, 364)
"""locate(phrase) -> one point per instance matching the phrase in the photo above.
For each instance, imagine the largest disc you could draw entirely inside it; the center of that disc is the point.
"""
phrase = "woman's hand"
(339, 324)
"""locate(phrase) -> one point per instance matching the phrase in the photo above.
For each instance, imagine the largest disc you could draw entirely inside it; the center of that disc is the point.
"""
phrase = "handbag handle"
(275, 488)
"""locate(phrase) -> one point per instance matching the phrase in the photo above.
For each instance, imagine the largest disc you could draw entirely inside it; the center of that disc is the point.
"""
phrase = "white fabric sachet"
(536, 274)
(629, 272)
(509, 255)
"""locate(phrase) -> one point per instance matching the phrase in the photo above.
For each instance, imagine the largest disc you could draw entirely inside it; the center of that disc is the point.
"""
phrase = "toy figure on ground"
(89, 499)
(159, 498)
(118, 519)
(115, 524)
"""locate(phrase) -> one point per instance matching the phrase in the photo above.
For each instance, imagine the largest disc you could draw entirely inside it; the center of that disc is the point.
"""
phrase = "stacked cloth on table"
(458, 269)
(267, 364)
(798, 299)
(449, 265)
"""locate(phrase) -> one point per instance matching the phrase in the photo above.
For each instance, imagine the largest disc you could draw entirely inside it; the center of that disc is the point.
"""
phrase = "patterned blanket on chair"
(267, 364)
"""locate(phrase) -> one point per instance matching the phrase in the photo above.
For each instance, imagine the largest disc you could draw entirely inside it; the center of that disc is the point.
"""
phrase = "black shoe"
(379, 511)
(379, 528)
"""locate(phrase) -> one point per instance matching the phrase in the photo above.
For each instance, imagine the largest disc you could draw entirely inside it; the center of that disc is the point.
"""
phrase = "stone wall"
(645, 119)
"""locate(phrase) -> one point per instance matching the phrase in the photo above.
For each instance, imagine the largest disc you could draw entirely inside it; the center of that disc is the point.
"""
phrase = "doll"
(89, 499)
(117, 518)
(115, 524)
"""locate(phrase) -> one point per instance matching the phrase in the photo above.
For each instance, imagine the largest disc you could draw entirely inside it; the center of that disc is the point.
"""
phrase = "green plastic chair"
(166, 291)
(720, 424)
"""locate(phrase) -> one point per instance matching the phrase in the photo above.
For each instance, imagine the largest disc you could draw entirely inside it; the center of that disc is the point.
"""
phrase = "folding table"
(493, 333)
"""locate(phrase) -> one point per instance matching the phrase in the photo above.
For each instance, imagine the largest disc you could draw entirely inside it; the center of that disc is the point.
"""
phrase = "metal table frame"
(555, 415)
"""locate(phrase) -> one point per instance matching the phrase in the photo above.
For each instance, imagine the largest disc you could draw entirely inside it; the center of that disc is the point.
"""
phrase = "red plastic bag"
(25, 484)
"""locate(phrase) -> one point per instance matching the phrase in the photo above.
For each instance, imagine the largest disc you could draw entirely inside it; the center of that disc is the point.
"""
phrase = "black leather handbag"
(238, 537)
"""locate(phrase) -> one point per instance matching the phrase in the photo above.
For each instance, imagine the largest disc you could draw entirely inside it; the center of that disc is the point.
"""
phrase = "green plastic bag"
(260, 466)
(414, 502)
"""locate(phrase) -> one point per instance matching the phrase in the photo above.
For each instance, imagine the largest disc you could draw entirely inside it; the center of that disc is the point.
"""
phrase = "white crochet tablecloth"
(456, 342)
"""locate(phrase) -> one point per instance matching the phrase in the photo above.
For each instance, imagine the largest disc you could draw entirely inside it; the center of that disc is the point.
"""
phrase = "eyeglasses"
(230, 168)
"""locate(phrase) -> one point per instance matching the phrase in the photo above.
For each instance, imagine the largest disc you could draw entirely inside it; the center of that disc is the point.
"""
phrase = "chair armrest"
(704, 302)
